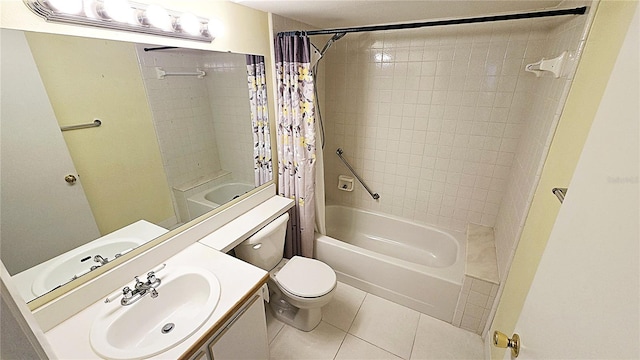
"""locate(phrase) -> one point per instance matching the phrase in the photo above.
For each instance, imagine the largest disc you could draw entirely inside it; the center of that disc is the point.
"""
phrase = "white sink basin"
(186, 298)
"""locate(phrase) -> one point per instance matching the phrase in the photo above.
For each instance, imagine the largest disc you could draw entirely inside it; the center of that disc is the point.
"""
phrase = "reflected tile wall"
(229, 101)
(203, 125)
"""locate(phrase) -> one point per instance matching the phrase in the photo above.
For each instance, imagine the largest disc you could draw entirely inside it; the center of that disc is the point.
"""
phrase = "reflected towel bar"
(95, 123)
(200, 74)
(375, 196)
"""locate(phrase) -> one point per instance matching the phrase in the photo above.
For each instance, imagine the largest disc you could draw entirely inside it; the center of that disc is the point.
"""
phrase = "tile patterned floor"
(358, 325)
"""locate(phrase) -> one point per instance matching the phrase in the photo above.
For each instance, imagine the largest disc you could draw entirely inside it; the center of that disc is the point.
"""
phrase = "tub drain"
(168, 327)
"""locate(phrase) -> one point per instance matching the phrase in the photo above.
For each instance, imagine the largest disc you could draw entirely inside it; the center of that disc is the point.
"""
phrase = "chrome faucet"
(99, 259)
(140, 289)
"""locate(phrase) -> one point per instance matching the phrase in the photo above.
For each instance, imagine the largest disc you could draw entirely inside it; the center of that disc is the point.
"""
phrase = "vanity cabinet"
(242, 336)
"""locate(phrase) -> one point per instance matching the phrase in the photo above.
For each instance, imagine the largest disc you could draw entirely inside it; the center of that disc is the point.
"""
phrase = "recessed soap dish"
(345, 183)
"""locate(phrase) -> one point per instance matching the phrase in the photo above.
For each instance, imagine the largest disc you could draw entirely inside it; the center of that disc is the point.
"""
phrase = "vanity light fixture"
(124, 15)
(66, 6)
(116, 10)
(189, 23)
(158, 17)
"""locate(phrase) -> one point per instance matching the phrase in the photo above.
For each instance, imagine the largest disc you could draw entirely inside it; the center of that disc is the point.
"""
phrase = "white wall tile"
(540, 100)
(201, 129)
(479, 125)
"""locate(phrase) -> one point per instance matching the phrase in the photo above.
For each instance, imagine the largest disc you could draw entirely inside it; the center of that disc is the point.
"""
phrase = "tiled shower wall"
(203, 125)
(432, 118)
(546, 104)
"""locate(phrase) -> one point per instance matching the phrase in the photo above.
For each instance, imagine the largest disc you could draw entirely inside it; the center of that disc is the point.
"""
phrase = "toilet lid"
(306, 277)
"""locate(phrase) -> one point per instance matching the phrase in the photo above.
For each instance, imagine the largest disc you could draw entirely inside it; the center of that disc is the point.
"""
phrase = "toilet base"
(301, 319)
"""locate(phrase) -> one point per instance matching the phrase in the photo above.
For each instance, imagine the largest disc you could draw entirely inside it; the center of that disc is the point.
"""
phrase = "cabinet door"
(245, 337)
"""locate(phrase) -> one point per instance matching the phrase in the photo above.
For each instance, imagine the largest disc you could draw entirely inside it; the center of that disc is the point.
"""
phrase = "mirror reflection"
(175, 142)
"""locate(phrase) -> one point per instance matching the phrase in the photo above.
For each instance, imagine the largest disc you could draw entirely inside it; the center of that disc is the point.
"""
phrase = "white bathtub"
(411, 264)
(209, 199)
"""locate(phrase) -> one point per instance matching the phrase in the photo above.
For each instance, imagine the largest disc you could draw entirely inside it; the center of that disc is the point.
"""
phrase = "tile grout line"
(356, 315)
(350, 325)
(415, 335)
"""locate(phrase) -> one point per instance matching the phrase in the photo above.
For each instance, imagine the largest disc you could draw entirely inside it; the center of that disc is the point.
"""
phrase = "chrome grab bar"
(95, 123)
(375, 196)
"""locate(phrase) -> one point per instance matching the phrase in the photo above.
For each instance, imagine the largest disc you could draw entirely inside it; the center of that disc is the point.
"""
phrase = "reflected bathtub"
(55, 272)
(209, 199)
(414, 265)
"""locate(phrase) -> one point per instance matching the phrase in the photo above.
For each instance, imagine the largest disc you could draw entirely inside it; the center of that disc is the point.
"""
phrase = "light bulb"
(214, 27)
(190, 24)
(66, 6)
(158, 16)
(118, 10)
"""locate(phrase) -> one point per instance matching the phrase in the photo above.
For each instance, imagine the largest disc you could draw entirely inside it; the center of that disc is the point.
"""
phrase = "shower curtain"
(320, 206)
(259, 119)
(296, 139)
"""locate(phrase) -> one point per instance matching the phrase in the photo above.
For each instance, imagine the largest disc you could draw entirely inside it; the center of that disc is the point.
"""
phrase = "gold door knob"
(70, 179)
(502, 341)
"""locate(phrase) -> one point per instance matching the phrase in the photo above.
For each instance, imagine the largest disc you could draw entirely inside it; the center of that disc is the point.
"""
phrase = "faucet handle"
(151, 277)
(127, 293)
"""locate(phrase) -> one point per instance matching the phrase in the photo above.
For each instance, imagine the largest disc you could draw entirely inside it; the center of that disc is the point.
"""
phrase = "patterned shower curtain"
(296, 139)
(259, 119)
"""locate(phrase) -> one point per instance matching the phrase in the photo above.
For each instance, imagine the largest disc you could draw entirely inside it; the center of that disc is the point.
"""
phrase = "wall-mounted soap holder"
(555, 65)
(345, 183)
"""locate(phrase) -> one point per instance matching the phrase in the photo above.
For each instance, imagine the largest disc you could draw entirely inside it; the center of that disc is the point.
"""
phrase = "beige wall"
(601, 50)
(119, 163)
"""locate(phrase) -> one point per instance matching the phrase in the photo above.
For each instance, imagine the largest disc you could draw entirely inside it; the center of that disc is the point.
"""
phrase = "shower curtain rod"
(530, 15)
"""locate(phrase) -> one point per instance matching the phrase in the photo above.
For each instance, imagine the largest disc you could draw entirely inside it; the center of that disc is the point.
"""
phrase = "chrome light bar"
(93, 14)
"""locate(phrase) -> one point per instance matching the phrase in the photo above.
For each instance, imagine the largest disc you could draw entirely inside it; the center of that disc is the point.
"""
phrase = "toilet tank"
(264, 249)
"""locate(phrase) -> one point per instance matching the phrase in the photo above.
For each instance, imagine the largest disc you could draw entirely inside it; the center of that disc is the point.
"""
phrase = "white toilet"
(298, 288)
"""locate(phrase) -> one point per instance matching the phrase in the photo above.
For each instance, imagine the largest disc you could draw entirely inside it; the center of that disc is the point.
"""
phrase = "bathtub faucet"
(99, 259)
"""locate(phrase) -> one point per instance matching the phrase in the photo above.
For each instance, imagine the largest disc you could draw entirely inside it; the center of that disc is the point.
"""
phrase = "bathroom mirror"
(174, 141)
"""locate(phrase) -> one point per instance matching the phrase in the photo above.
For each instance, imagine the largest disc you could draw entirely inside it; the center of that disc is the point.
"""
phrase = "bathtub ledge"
(481, 254)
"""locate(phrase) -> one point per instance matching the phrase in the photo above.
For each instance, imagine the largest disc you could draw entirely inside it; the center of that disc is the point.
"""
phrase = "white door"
(42, 215)
(584, 300)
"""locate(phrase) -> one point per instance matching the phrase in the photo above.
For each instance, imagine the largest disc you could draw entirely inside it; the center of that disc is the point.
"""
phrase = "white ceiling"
(326, 14)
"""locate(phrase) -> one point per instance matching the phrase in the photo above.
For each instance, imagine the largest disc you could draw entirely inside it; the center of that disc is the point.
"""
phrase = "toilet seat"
(306, 278)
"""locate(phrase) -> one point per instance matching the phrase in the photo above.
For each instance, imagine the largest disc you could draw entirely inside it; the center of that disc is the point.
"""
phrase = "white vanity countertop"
(238, 280)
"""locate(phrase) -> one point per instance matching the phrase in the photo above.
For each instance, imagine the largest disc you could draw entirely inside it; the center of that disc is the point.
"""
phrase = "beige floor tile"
(387, 325)
(436, 339)
(322, 342)
(354, 348)
(342, 309)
